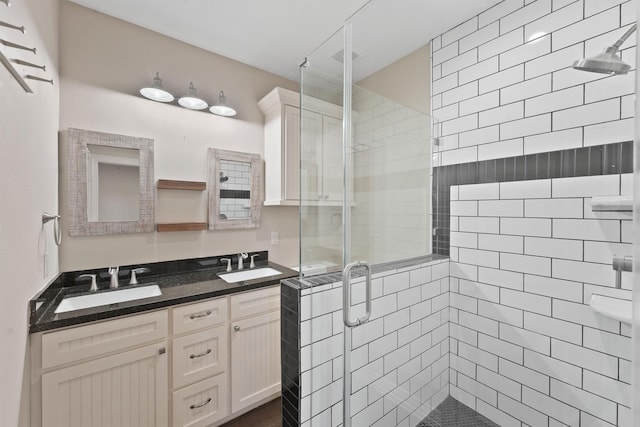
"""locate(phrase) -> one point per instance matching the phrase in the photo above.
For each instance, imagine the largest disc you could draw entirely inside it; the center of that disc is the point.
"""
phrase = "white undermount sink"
(257, 273)
(107, 297)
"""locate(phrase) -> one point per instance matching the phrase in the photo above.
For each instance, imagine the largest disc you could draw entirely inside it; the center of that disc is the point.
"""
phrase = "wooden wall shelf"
(169, 184)
(182, 226)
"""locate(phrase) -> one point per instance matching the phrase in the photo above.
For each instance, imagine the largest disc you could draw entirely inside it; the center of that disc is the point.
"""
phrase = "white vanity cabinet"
(322, 157)
(255, 347)
(198, 364)
(108, 373)
(200, 359)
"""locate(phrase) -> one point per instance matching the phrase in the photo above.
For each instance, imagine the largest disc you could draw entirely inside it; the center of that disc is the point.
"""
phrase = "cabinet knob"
(236, 328)
(162, 350)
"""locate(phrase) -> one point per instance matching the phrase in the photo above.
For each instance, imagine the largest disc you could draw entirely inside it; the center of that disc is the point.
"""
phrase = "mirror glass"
(113, 176)
(235, 189)
(109, 183)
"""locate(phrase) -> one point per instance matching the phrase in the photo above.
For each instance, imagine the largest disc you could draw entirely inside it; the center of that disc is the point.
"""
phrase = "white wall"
(405, 81)
(399, 359)
(104, 62)
(28, 173)
(526, 258)
(527, 255)
(499, 96)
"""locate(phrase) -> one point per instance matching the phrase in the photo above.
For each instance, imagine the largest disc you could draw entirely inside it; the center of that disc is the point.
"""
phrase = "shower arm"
(624, 37)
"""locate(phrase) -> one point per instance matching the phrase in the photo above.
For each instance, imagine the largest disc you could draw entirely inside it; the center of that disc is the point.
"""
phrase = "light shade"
(221, 108)
(191, 100)
(156, 92)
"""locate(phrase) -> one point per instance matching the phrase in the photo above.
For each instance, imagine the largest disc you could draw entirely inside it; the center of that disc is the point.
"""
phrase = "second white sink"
(257, 273)
(108, 297)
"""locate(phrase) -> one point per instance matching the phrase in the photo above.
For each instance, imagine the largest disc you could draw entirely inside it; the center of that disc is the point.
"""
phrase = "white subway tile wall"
(392, 166)
(527, 347)
(506, 74)
(399, 359)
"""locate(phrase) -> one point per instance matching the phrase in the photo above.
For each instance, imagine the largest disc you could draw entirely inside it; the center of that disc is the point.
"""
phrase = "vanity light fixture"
(156, 92)
(221, 108)
(191, 100)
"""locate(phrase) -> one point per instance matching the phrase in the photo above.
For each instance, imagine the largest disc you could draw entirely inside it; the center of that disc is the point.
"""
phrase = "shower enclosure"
(365, 208)
(428, 274)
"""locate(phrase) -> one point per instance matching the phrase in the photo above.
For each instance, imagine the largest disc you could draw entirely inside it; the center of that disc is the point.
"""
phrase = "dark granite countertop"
(177, 288)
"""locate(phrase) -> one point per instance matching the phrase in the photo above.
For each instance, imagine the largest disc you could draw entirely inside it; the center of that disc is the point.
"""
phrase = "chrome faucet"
(228, 260)
(253, 263)
(134, 279)
(113, 272)
(242, 256)
(94, 284)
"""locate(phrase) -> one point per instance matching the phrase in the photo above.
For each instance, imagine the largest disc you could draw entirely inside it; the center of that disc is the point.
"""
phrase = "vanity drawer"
(199, 315)
(97, 339)
(201, 404)
(255, 302)
(199, 355)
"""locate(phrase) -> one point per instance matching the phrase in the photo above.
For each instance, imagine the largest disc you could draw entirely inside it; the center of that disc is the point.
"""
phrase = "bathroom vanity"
(202, 353)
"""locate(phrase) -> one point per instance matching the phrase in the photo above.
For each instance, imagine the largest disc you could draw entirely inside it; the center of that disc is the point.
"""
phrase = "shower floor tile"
(452, 413)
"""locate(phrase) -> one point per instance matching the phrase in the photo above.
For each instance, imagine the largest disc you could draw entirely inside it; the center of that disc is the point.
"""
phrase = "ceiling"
(276, 35)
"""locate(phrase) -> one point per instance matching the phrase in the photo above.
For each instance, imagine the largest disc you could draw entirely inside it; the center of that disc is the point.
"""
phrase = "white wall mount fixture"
(615, 308)
(612, 203)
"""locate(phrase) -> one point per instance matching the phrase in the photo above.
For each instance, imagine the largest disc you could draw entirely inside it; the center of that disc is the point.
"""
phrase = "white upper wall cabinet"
(322, 157)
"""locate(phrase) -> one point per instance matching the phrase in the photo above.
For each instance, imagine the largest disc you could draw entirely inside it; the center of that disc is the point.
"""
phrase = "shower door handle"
(346, 294)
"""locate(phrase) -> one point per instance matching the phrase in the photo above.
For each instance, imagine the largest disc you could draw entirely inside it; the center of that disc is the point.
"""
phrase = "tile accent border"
(605, 159)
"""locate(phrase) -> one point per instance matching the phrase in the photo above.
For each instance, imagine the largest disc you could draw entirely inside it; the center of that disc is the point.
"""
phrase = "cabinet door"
(255, 359)
(291, 152)
(311, 159)
(252, 303)
(126, 389)
(199, 315)
(199, 355)
(332, 169)
(201, 404)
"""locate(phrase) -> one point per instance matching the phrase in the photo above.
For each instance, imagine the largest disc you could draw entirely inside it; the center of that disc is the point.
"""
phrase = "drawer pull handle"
(236, 328)
(204, 353)
(199, 316)
(200, 405)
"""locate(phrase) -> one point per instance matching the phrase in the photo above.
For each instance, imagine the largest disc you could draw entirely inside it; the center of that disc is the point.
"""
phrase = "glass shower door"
(365, 201)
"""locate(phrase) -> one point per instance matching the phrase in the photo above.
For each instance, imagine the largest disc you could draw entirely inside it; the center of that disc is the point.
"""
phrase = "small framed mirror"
(235, 189)
(110, 183)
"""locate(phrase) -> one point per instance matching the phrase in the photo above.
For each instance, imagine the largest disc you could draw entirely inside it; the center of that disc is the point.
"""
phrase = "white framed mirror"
(235, 189)
(110, 183)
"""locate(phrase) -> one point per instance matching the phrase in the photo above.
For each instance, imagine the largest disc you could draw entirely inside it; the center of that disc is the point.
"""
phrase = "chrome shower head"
(223, 177)
(607, 62)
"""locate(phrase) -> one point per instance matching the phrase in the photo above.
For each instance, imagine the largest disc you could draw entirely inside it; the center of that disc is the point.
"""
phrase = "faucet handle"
(113, 272)
(253, 264)
(94, 284)
(134, 279)
(228, 263)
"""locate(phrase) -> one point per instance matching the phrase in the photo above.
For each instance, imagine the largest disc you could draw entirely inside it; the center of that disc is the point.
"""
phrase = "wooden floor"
(267, 415)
